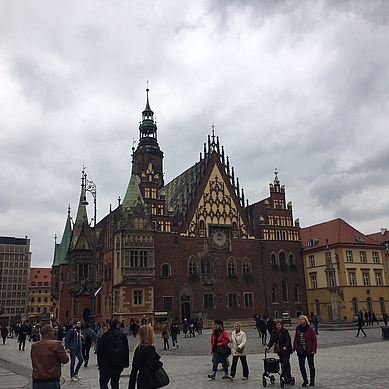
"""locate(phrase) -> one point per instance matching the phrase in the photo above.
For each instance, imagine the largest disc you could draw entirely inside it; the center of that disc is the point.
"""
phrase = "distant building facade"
(190, 248)
(15, 262)
(360, 268)
(40, 301)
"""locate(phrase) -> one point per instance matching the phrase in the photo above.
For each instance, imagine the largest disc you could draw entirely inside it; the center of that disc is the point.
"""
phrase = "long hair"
(146, 336)
(304, 317)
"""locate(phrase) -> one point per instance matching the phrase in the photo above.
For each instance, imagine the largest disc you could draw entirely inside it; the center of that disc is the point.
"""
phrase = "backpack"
(116, 350)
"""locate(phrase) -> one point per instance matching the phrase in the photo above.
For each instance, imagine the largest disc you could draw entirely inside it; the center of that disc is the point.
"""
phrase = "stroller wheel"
(282, 383)
(264, 383)
(272, 379)
(292, 381)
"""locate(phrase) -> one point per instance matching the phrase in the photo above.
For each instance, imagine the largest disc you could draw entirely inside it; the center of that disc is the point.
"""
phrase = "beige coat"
(238, 340)
(167, 335)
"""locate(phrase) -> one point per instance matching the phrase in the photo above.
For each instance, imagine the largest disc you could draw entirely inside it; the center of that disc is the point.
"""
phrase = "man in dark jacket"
(73, 347)
(112, 355)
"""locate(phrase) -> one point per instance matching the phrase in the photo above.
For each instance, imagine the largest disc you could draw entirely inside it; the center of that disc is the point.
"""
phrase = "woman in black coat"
(145, 360)
(281, 336)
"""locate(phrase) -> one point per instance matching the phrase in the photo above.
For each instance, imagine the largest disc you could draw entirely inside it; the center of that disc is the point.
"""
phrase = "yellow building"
(40, 304)
(358, 274)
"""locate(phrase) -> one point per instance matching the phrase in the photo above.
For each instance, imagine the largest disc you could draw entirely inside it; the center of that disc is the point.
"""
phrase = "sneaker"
(174, 346)
(74, 379)
(230, 377)
(211, 376)
(78, 376)
(245, 378)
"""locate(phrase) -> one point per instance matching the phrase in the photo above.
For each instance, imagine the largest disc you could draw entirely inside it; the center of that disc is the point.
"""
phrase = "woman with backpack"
(166, 335)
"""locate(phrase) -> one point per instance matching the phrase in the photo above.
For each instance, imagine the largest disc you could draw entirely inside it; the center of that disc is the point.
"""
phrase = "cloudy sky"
(301, 86)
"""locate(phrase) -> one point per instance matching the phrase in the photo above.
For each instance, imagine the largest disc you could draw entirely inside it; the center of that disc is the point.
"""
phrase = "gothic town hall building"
(189, 248)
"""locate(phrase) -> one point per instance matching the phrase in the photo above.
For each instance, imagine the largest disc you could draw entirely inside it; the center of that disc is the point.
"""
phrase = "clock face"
(219, 238)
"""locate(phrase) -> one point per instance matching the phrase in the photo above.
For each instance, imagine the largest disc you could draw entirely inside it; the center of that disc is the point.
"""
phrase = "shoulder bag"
(161, 378)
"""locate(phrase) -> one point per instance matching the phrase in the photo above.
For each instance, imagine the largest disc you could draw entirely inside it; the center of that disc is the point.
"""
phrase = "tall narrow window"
(375, 257)
(365, 279)
(296, 293)
(362, 256)
(231, 267)
(246, 267)
(284, 291)
(351, 277)
(138, 297)
(349, 256)
(192, 265)
(314, 282)
(232, 300)
(273, 294)
(248, 300)
(143, 258)
(312, 260)
(165, 270)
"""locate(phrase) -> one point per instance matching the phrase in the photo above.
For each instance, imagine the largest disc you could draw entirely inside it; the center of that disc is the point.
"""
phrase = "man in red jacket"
(219, 340)
(47, 356)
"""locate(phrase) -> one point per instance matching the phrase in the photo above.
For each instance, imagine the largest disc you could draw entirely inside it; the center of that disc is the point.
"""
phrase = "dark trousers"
(110, 373)
(359, 330)
(4, 339)
(218, 358)
(310, 358)
(243, 361)
(165, 343)
(22, 342)
(285, 366)
(85, 352)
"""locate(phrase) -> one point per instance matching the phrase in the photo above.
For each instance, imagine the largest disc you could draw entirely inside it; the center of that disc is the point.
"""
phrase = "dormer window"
(359, 239)
(313, 242)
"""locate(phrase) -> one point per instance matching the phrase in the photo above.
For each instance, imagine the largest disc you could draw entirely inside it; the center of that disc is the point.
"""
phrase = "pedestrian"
(374, 318)
(89, 338)
(24, 330)
(46, 356)
(166, 335)
(192, 329)
(219, 338)
(4, 333)
(257, 319)
(112, 355)
(360, 324)
(73, 347)
(185, 328)
(366, 318)
(175, 331)
(133, 327)
(145, 360)
(315, 322)
(305, 344)
(281, 337)
(239, 351)
(385, 318)
(271, 326)
(263, 329)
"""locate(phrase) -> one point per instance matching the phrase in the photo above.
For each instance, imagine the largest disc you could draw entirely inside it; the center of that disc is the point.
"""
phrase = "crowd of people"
(72, 343)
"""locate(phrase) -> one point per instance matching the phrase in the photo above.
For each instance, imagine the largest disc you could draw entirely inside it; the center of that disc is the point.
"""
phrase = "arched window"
(273, 259)
(231, 266)
(205, 266)
(382, 305)
(296, 293)
(355, 305)
(317, 308)
(284, 291)
(274, 294)
(281, 257)
(246, 268)
(165, 270)
(192, 266)
(291, 259)
(202, 228)
(369, 305)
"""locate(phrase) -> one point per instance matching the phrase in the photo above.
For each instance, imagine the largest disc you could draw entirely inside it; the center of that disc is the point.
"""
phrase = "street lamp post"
(90, 186)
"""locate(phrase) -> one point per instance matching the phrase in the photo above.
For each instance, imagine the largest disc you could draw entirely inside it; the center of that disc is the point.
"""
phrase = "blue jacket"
(72, 341)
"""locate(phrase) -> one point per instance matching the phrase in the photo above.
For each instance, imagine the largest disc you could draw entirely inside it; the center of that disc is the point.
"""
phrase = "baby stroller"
(272, 366)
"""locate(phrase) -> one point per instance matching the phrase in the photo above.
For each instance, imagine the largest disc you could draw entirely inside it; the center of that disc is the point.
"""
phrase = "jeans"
(165, 344)
(217, 358)
(22, 342)
(311, 365)
(73, 354)
(174, 340)
(46, 385)
(243, 360)
(110, 373)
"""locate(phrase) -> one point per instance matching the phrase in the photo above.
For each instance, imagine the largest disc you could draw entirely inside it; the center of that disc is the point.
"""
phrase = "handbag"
(225, 351)
(239, 350)
(277, 348)
(161, 378)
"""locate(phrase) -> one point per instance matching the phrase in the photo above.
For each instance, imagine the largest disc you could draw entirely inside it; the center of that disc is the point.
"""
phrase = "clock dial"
(219, 238)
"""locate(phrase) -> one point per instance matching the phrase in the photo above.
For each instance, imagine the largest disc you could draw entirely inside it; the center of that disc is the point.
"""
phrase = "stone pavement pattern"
(342, 361)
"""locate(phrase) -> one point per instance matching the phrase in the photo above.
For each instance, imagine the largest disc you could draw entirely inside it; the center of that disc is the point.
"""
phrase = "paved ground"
(342, 361)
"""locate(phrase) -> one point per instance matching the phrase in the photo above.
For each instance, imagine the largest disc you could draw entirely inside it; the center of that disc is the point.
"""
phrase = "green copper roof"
(133, 195)
(61, 249)
(82, 215)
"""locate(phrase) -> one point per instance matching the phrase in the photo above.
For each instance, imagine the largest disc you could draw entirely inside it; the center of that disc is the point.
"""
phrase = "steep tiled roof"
(133, 194)
(337, 231)
(61, 249)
